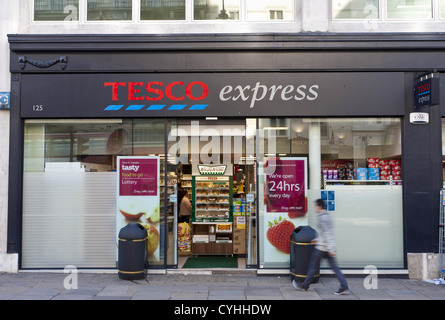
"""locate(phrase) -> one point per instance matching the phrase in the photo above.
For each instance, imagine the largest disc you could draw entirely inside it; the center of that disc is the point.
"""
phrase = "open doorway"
(212, 177)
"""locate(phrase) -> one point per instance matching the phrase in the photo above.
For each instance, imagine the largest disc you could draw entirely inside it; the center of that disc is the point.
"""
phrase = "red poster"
(285, 189)
(138, 177)
(138, 198)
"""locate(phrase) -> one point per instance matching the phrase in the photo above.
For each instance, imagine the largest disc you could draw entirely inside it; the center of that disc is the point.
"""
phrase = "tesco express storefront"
(76, 115)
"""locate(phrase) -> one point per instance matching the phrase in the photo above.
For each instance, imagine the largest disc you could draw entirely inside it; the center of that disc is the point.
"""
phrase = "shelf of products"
(212, 199)
(212, 215)
(377, 172)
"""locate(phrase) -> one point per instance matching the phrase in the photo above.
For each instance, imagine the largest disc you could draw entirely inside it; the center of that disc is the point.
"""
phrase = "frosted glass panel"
(69, 219)
(409, 9)
(56, 10)
(262, 10)
(162, 10)
(216, 10)
(355, 9)
(109, 10)
(442, 9)
(368, 226)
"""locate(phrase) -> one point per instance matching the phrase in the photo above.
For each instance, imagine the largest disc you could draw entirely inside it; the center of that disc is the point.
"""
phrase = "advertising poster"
(285, 204)
(138, 198)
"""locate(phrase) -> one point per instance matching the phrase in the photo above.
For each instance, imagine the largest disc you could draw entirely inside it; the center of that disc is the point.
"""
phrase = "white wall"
(9, 23)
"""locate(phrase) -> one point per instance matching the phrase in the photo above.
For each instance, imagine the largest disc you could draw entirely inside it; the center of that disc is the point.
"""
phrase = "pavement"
(224, 286)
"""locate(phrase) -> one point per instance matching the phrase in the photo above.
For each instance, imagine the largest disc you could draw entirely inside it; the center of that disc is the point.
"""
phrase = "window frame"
(434, 14)
(138, 25)
(34, 21)
(385, 25)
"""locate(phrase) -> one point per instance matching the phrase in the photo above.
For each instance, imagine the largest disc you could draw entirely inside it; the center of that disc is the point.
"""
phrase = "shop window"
(443, 148)
(269, 11)
(109, 10)
(354, 164)
(69, 189)
(355, 9)
(409, 9)
(442, 9)
(216, 9)
(162, 10)
(56, 10)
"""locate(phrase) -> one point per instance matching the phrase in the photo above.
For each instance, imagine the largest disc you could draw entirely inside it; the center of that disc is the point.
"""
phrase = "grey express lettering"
(259, 92)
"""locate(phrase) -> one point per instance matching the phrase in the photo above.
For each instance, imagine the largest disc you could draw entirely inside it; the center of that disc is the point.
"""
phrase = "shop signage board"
(138, 198)
(4, 100)
(285, 204)
(427, 91)
(212, 170)
(212, 94)
(329, 199)
(419, 118)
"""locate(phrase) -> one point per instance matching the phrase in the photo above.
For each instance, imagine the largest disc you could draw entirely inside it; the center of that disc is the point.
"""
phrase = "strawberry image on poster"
(278, 234)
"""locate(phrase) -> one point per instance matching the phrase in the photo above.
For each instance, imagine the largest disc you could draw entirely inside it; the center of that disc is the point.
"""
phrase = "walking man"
(324, 248)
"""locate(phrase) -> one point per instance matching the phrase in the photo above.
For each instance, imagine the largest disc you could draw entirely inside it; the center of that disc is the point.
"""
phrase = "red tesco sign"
(156, 90)
(423, 88)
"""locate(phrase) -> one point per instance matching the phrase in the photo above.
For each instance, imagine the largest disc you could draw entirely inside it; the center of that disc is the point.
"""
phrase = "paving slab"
(40, 291)
(404, 294)
(147, 293)
(328, 294)
(73, 297)
(44, 286)
(263, 291)
(433, 294)
(422, 285)
(227, 292)
(225, 298)
(294, 294)
(5, 296)
(264, 297)
(7, 289)
(34, 297)
(81, 291)
(111, 298)
(114, 290)
(156, 288)
(390, 284)
(191, 289)
(188, 296)
(371, 294)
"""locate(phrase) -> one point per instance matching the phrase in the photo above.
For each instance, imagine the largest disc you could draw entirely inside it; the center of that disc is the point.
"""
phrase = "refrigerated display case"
(212, 199)
(212, 215)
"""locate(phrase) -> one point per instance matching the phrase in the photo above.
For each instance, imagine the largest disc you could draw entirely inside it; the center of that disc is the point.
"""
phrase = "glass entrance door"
(194, 146)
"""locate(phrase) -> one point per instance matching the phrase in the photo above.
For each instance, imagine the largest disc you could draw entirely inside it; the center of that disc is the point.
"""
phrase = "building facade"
(243, 85)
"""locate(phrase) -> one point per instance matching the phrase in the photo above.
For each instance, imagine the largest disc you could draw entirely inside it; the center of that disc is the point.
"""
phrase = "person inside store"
(185, 206)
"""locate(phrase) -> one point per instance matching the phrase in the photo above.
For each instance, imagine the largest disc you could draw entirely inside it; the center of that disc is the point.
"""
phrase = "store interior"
(343, 154)
(214, 177)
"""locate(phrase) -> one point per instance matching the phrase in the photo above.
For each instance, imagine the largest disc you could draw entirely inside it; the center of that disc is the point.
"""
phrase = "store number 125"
(37, 107)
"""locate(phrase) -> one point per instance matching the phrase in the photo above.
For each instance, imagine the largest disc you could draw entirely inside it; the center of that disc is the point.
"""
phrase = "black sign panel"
(426, 92)
(212, 94)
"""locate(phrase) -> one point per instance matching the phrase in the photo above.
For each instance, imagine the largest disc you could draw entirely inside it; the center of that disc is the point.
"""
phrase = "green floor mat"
(211, 262)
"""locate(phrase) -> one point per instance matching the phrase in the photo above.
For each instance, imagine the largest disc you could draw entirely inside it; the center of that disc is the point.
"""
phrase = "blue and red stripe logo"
(155, 107)
(176, 92)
